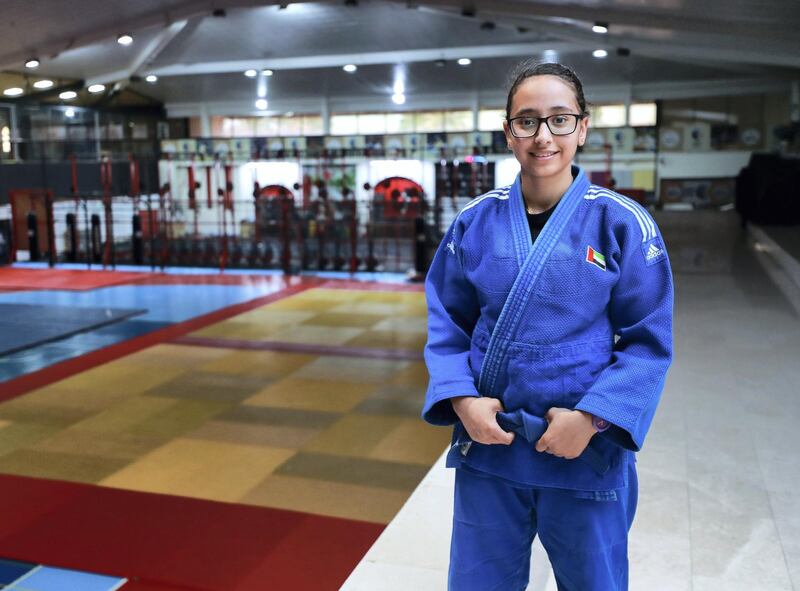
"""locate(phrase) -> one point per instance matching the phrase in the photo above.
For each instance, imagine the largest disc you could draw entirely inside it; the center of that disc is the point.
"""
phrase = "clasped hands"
(567, 435)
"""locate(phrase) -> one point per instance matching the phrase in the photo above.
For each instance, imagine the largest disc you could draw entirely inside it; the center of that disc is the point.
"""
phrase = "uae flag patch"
(596, 258)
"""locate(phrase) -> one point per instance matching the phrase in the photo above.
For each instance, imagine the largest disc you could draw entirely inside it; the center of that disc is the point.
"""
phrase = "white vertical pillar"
(205, 121)
(326, 116)
(475, 106)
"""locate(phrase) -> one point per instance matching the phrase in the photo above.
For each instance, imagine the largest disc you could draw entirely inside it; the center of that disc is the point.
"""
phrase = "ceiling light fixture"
(70, 112)
(42, 84)
(250, 73)
(350, 68)
(267, 72)
(152, 79)
(398, 98)
(601, 28)
(125, 39)
(67, 95)
(15, 91)
(95, 88)
(262, 104)
(32, 63)
(464, 61)
(599, 53)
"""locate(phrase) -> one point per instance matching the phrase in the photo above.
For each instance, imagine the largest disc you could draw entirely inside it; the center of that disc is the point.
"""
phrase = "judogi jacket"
(580, 319)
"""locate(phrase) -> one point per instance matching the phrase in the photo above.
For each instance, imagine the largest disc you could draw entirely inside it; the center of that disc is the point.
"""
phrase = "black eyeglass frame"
(578, 117)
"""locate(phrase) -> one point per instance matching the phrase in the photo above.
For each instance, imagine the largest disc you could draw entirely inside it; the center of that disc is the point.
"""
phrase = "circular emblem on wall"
(670, 138)
(595, 140)
(751, 136)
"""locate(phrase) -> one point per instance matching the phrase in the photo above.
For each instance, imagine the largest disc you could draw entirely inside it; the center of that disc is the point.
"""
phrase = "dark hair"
(531, 67)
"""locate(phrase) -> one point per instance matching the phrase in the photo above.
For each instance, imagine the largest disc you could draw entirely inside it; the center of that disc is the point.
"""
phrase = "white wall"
(689, 165)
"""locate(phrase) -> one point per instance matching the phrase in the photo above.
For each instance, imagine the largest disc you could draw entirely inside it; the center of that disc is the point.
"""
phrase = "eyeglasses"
(527, 125)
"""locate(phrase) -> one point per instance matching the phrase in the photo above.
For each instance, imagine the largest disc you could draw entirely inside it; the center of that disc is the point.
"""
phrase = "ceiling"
(676, 48)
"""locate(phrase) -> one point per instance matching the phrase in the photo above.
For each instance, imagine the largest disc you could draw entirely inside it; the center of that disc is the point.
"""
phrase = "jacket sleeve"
(453, 310)
(627, 392)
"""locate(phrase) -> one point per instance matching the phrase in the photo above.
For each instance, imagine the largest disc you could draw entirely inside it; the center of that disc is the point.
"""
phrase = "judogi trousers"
(494, 524)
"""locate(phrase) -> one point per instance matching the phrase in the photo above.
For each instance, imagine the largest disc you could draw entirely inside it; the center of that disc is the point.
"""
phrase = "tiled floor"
(719, 506)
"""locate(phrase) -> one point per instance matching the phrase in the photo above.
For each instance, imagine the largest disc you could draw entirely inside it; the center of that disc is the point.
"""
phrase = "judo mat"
(69, 280)
(23, 326)
(162, 542)
(26, 576)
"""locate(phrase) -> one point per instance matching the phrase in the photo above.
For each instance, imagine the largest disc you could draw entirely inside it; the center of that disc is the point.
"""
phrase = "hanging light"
(42, 84)
(599, 53)
(32, 63)
(67, 95)
(125, 39)
(600, 27)
(267, 72)
(262, 104)
(350, 68)
(70, 113)
(464, 61)
(14, 91)
(95, 88)
(398, 98)
(152, 79)
(251, 73)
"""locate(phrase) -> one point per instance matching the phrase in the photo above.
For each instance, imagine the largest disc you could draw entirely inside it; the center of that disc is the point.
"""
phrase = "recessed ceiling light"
(267, 72)
(464, 61)
(43, 84)
(15, 91)
(125, 39)
(67, 95)
(70, 112)
(600, 53)
(250, 73)
(350, 68)
(398, 98)
(152, 79)
(95, 88)
(262, 104)
(32, 63)
(600, 28)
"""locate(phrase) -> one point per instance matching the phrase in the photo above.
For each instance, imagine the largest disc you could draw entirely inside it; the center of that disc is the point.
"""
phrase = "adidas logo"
(451, 246)
(653, 252)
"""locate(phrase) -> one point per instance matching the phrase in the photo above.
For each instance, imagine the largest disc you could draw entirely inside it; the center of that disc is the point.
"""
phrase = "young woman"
(549, 338)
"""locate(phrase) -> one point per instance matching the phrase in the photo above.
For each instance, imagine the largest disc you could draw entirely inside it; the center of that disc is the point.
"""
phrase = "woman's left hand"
(568, 433)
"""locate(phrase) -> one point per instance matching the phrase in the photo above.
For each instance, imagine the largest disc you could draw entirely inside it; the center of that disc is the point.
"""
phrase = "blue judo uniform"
(580, 319)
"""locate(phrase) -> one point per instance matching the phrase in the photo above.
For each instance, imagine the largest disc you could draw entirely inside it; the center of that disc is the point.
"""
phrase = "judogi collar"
(531, 259)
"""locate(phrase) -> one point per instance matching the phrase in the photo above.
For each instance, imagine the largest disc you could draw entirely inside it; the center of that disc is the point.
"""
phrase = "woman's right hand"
(478, 415)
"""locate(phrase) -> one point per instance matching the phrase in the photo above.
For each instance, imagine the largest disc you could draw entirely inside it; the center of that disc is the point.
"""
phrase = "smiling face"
(545, 156)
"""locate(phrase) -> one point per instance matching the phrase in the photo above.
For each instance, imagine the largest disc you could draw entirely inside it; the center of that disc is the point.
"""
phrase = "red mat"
(166, 543)
(64, 279)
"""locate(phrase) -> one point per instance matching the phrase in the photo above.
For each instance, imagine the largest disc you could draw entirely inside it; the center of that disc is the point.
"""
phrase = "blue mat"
(23, 326)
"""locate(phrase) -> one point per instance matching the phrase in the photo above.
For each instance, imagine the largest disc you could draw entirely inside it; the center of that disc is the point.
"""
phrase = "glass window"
(399, 122)
(608, 116)
(642, 114)
(268, 126)
(430, 121)
(291, 126)
(344, 124)
(458, 121)
(372, 123)
(491, 119)
(312, 125)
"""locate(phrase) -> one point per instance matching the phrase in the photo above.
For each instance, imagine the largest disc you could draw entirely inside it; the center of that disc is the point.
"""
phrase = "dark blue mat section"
(23, 326)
